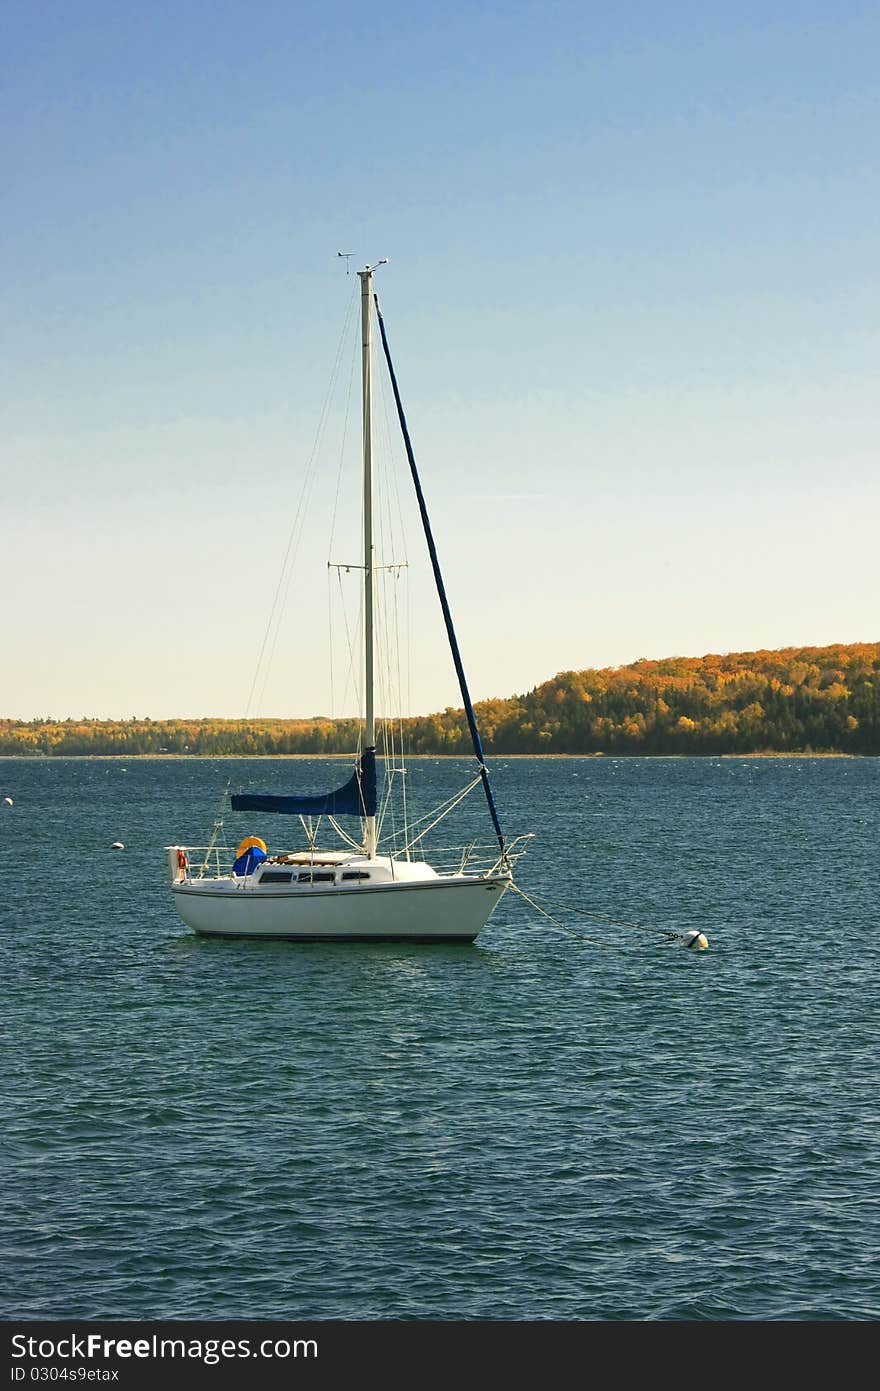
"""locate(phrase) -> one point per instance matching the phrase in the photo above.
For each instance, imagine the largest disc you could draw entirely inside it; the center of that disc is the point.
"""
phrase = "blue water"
(575, 1122)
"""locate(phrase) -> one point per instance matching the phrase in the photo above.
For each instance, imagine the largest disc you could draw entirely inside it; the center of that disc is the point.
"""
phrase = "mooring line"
(599, 917)
(563, 927)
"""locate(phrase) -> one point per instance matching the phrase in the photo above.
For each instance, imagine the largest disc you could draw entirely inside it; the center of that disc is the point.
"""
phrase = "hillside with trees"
(795, 700)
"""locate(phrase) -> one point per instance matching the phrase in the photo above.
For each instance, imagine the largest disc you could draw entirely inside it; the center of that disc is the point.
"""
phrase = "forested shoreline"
(794, 700)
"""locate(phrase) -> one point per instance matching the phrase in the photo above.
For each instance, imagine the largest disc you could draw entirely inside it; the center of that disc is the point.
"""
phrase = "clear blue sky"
(633, 295)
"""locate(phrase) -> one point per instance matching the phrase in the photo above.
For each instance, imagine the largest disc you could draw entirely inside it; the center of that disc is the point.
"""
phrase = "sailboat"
(360, 891)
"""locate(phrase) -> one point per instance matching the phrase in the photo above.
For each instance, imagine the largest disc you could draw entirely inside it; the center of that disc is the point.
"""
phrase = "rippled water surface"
(589, 1123)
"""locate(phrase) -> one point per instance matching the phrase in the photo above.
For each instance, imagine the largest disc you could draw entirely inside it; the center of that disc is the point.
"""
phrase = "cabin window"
(355, 874)
(317, 878)
(275, 876)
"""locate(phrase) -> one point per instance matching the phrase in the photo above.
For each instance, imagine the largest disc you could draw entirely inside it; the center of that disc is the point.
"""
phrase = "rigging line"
(346, 419)
(443, 808)
(441, 591)
(389, 674)
(308, 488)
(350, 643)
(397, 530)
(388, 628)
(443, 814)
(218, 826)
(392, 520)
(407, 628)
(393, 541)
(386, 808)
(331, 640)
(343, 834)
(388, 691)
(389, 655)
(296, 528)
(380, 472)
(399, 729)
(339, 471)
(388, 633)
(392, 510)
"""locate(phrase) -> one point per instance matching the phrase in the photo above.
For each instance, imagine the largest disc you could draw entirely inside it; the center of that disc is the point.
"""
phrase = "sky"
(632, 295)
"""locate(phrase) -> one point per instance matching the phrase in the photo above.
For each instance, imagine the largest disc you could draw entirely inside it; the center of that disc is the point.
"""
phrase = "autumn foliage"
(796, 700)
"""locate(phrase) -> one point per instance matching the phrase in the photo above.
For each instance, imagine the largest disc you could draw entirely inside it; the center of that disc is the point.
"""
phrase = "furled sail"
(357, 797)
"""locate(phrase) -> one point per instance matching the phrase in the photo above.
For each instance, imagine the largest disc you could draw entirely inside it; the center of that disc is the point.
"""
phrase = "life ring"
(182, 861)
(251, 843)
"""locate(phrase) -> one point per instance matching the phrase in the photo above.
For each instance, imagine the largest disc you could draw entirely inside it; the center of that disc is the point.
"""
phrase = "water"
(584, 1124)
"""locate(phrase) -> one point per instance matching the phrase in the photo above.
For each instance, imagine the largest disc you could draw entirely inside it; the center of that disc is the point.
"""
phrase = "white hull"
(442, 909)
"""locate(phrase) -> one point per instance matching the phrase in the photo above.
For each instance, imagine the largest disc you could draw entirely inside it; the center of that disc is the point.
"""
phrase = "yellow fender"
(249, 844)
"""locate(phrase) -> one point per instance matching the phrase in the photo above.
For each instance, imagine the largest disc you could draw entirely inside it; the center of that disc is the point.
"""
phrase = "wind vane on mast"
(347, 255)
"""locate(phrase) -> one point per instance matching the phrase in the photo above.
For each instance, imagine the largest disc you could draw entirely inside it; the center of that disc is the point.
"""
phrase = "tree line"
(794, 700)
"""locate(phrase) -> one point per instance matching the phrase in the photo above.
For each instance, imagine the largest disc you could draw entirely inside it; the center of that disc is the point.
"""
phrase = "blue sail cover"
(357, 797)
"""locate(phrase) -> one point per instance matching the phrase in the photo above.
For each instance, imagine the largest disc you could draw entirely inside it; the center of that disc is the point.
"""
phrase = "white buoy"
(117, 845)
(697, 940)
(8, 802)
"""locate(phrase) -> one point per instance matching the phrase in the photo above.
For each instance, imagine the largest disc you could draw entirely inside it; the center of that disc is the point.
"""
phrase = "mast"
(366, 279)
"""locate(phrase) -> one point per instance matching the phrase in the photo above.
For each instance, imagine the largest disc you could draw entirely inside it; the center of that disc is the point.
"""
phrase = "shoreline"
(410, 758)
